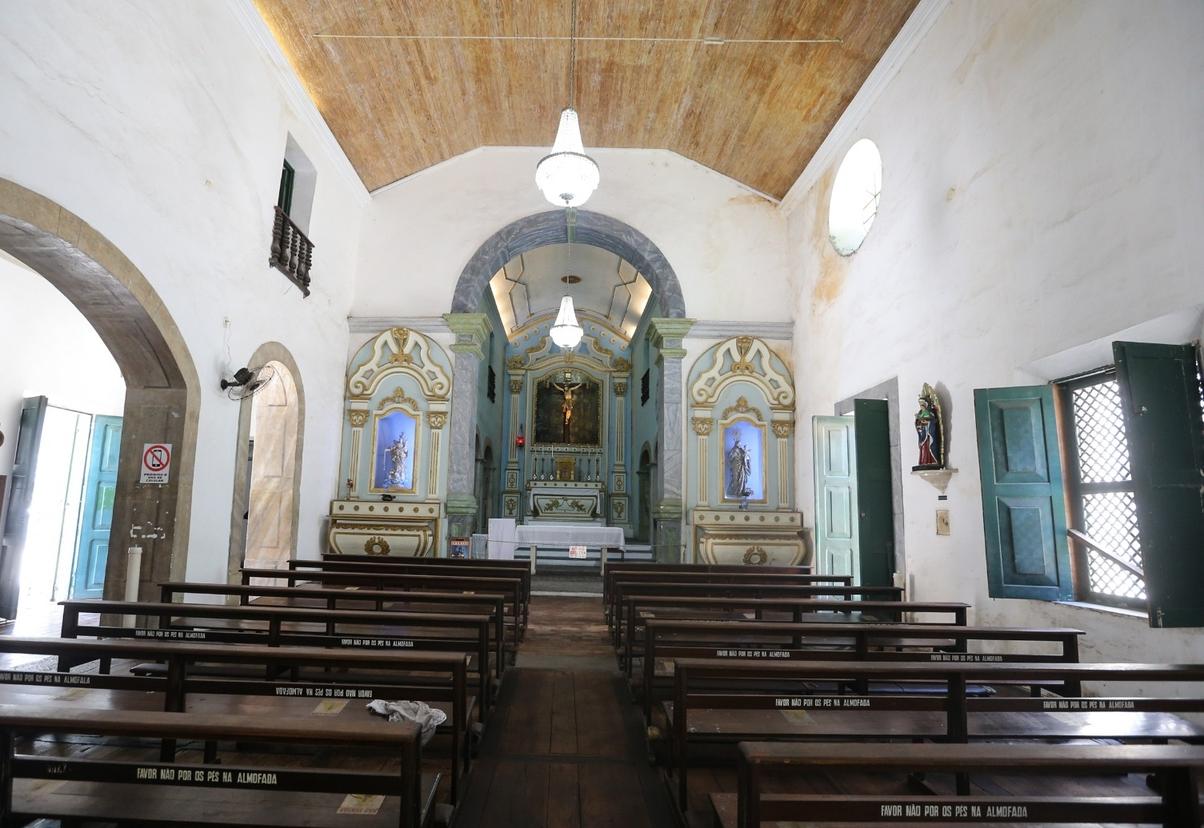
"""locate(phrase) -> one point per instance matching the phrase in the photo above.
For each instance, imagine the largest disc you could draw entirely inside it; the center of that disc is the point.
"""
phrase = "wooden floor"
(566, 747)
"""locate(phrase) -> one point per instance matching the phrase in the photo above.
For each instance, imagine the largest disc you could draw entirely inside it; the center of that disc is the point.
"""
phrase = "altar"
(570, 534)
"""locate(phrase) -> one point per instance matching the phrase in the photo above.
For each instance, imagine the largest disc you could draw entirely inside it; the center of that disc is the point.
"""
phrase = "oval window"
(855, 195)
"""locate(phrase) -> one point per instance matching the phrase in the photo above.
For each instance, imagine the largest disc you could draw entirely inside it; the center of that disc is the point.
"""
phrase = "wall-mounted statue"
(930, 431)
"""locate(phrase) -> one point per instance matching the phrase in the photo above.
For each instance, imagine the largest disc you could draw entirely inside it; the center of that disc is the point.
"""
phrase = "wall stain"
(833, 268)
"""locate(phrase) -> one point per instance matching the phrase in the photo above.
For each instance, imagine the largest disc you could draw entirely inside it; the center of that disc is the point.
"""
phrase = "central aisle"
(566, 747)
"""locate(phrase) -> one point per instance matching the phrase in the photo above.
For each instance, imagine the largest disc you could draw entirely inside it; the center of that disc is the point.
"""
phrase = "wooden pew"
(621, 592)
(381, 601)
(621, 582)
(75, 788)
(368, 630)
(329, 674)
(403, 567)
(649, 567)
(782, 641)
(397, 582)
(668, 606)
(1176, 769)
(450, 566)
(729, 716)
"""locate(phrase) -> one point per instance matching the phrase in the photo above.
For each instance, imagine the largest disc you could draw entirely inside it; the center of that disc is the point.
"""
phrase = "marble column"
(471, 330)
(667, 514)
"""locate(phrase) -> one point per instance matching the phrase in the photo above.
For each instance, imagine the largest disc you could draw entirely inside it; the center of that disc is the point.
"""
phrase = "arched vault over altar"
(578, 227)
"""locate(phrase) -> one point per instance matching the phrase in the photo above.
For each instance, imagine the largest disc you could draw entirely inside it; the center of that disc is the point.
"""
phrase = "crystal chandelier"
(565, 331)
(567, 176)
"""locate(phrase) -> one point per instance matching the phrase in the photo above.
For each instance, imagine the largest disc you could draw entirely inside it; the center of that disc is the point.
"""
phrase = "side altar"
(394, 456)
(741, 398)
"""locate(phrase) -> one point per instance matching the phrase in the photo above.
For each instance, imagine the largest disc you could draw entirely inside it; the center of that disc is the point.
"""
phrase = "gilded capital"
(620, 389)
(436, 419)
(783, 429)
(702, 425)
(357, 417)
(516, 386)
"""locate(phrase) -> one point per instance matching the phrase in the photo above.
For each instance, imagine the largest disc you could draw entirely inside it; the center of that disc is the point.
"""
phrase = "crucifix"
(566, 406)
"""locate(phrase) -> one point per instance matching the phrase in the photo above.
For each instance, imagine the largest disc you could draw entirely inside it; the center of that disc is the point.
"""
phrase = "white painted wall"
(1043, 167)
(60, 356)
(165, 131)
(725, 242)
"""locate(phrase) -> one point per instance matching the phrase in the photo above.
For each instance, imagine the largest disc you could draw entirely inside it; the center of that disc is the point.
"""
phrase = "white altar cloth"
(535, 535)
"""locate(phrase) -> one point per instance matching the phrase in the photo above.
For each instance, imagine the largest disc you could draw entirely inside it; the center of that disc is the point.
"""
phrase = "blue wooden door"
(100, 486)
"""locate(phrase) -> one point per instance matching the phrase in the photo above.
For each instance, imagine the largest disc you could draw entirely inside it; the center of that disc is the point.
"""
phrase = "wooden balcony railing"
(292, 252)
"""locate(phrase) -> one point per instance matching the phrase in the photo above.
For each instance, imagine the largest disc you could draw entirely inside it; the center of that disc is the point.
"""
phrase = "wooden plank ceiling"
(754, 111)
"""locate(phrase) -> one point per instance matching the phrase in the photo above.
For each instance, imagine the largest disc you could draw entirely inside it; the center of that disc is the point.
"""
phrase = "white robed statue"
(397, 451)
(739, 470)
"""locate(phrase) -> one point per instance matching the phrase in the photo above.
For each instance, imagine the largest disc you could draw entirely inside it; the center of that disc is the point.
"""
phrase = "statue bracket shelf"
(937, 478)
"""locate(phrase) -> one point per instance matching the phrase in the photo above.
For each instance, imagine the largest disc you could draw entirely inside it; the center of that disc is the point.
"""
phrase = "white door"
(835, 497)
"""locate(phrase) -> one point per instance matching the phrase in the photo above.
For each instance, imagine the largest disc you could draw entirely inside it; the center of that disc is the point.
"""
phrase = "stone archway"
(162, 398)
(471, 327)
(558, 227)
(284, 401)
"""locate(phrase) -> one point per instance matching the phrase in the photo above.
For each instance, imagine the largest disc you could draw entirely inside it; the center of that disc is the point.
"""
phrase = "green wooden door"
(836, 497)
(875, 504)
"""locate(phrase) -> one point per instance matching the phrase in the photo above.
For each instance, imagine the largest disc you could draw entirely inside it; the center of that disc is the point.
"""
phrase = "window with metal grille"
(1100, 492)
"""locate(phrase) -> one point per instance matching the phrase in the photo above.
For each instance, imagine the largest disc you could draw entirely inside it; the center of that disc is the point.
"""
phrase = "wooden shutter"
(1160, 389)
(1024, 514)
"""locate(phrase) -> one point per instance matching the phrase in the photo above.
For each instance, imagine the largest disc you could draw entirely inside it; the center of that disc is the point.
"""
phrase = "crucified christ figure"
(566, 409)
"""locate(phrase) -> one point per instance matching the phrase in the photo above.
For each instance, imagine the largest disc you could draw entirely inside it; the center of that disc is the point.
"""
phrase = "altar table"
(571, 534)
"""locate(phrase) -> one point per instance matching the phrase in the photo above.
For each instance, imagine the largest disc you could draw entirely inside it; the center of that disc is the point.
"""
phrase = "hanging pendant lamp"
(567, 176)
(566, 332)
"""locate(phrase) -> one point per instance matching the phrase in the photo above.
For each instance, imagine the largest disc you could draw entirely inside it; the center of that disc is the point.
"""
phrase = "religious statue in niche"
(394, 450)
(743, 461)
(739, 469)
(568, 409)
(930, 431)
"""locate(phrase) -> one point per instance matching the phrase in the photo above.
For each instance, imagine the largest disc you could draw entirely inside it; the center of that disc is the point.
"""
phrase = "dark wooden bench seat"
(621, 592)
(618, 582)
(253, 671)
(446, 566)
(382, 600)
(666, 640)
(280, 627)
(1175, 767)
(522, 569)
(700, 714)
(670, 570)
(510, 586)
(637, 609)
(141, 791)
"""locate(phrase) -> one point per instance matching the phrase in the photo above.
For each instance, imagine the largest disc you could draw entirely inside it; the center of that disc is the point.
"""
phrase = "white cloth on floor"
(420, 713)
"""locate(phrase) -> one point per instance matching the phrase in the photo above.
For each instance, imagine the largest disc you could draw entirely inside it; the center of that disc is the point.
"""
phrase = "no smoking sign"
(156, 463)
